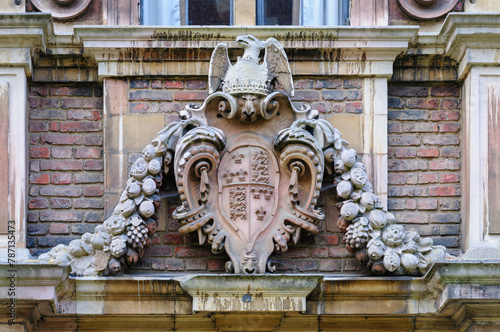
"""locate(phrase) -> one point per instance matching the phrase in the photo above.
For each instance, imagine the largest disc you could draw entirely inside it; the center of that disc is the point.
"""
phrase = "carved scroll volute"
(196, 159)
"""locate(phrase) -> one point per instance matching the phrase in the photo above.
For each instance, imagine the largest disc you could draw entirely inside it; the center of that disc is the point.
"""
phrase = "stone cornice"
(471, 39)
(21, 35)
(136, 51)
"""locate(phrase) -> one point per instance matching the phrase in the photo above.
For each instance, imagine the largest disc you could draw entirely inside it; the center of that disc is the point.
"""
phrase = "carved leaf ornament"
(248, 190)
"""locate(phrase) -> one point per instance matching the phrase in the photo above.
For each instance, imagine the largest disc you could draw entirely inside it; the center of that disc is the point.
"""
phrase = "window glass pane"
(275, 12)
(209, 12)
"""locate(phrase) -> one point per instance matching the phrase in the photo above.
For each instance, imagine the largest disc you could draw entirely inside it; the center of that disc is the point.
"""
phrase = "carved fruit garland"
(370, 231)
(121, 239)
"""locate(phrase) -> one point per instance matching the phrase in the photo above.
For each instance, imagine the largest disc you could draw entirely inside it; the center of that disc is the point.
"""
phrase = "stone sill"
(441, 290)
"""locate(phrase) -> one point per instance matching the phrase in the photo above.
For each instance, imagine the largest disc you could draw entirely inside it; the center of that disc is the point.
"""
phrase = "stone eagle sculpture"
(274, 68)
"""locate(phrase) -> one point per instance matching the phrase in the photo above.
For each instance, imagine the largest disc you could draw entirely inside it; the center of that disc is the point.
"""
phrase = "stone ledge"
(458, 293)
(230, 293)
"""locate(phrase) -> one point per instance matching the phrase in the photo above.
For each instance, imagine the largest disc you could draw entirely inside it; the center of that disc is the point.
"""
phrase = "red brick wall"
(66, 168)
(66, 165)
(424, 159)
(323, 252)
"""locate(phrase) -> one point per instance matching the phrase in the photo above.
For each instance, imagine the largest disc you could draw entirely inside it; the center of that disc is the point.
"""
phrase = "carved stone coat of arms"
(249, 168)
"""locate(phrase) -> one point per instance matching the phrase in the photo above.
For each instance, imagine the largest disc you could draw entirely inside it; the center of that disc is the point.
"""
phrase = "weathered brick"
(196, 264)
(93, 165)
(428, 152)
(174, 84)
(71, 103)
(79, 126)
(190, 95)
(159, 251)
(447, 104)
(444, 164)
(353, 83)
(408, 91)
(394, 127)
(95, 103)
(341, 95)
(62, 153)
(61, 178)
(306, 95)
(407, 165)
(423, 103)
(328, 239)
(139, 107)
(82, 228)
(64, 191)
(47, 114)
(37, 229)
(33, 216)
(356, 108)
(444, 191)
(39, 91)
(445, 91)
(38, 203)
(326, 83)
(329, 265)
(407, 115)
(174, 265)
(427, 204)
(450, 152)
(93, 191)
(394, 102)
(68, 216)
(421, 127)
(173, 238)
(412, 217)
(80, 178)
(71, 91)
(61, 165)
(449, 204)
(447, 241)
(38, 126)
(196, 84)
(445, 116)
(57, 228)
(452, 127)
(405, 152)
(92, 140)
(216, 265)
(40, 178)
(83, 115)
(139, 84)
(88, 153)
(49, 103)
(441, 140)
(307, 265)
(449, 229)
(61, 139)
(39, 152)
(157, 95)
(86, 203)
(427, 178)
(60, 203)
(396, 178)
(304, 84)
(94, 216)
(192, 252)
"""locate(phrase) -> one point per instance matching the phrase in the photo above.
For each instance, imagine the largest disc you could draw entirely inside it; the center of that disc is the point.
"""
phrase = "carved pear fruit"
(344, 189)
(349, 211)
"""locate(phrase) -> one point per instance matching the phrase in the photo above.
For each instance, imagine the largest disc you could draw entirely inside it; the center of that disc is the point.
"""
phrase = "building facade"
(413, 86)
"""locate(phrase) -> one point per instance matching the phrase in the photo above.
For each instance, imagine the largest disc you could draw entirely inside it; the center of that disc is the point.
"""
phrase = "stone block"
(350, 125)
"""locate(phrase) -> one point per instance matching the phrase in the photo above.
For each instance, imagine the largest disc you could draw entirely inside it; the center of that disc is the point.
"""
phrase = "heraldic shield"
(249, 168)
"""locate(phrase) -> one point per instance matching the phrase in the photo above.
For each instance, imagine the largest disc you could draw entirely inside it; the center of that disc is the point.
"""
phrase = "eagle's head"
(251, 45)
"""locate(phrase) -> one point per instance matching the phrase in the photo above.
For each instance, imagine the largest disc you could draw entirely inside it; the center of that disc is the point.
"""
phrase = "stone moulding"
(249, 168)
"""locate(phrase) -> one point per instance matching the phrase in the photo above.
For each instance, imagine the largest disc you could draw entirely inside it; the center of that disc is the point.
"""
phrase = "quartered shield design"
(248, 178)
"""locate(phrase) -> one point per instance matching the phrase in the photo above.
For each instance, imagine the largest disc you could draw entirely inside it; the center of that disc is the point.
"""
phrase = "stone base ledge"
(459, 293)
(230, 293)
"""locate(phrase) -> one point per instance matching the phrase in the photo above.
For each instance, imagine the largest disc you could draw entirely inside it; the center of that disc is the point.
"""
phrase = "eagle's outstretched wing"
(277, 65)
(219, 63)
